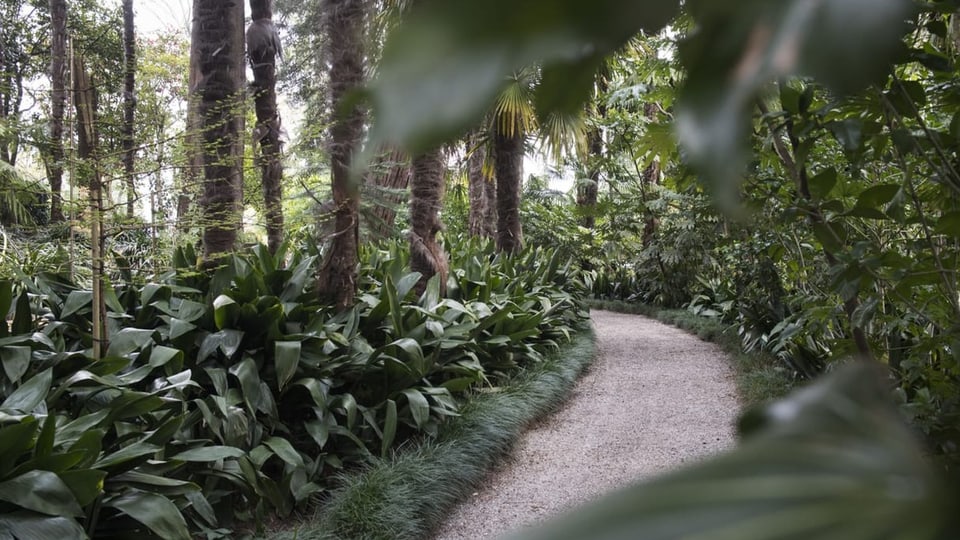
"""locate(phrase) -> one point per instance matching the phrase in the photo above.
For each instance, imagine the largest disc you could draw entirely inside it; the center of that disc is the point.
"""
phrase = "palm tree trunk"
(508, 156)
(587, 193)
(58, 96)
(191, 177)
(651, 178)
(480, 201)
(426, 200)
(129, 104)
(263, 47)
(218, 35)
(390, 174)
(344, 22)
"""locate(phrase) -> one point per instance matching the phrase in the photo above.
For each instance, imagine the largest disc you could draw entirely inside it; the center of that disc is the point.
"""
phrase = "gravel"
(655, 399)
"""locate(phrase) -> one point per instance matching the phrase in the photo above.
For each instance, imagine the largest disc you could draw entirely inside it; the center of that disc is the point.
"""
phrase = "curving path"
(655, 398)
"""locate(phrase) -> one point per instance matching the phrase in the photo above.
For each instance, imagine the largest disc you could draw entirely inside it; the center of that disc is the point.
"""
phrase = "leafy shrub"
(226, 396)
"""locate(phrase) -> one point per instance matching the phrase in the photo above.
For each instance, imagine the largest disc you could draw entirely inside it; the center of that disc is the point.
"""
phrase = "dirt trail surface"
(655, 399)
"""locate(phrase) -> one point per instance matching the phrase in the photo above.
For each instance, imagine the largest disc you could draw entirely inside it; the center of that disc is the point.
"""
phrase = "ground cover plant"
(229, 396)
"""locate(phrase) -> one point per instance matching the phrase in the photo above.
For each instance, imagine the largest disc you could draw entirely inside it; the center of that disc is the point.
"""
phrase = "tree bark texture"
(129, 105)
(651, 177)
(263, 48)
(58, 97)
(482, 191)
(588, 192)
(426, 200)
(390, 175)
(344, 22)
(191, 177)
(219, 38)
(508, 156)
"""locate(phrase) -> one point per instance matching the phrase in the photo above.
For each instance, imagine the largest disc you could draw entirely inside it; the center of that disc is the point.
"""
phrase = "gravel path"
(654, 399)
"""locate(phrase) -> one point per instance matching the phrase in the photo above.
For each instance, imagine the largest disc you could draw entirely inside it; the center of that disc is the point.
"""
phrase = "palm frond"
(14, 184)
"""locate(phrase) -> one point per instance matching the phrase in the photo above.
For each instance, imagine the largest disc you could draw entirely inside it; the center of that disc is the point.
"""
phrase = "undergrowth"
(408, 494)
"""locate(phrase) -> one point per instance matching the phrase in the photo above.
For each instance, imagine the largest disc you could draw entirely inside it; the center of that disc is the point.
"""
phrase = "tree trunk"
(588, 192)
(508, 157)
(390, 175)
(191, 176)
(129, 105)
(482, 205)
(263, 48)
(651, 177)
(218, 35)
(426, 200)
(58, 96)
(85, 102)
(343, 22)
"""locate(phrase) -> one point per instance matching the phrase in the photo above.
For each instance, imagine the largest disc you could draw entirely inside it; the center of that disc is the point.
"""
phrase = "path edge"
(408, 495)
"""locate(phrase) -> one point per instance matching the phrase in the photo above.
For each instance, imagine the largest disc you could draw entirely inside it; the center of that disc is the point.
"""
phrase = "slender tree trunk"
(344, 22)
(480, 201)
(390, 175)
(191, 177)
(218, 35)
(129, 105)
(263, 48)
(588, 192)
(651, 178)
(426, 200)
(85, 101)
(490, 217)
(58, 96)
(508, 155)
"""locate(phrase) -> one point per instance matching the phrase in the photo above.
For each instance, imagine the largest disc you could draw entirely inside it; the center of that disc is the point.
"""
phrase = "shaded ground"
(655, 398)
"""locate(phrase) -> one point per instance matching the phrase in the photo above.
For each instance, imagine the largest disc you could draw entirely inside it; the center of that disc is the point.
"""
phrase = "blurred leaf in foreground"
(443, 67)
(832, 461)
(737, 47)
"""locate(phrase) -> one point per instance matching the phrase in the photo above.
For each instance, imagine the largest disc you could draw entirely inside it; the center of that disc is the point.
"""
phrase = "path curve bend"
(654, 399)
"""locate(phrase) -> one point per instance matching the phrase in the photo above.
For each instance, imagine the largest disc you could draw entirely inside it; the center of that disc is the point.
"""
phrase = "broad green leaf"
(834, 460)
(248, 375)
(40, 491)
(85, 484)
(389, 428)
(878, 196)
(224, 311)
(287, 357)
(443, 67)
(16, 360)
(190, 311)
(949, 224)
(134, 452)
(209, 453)
(284, 450)
(46, 438)
(76, 301)
(155, 511)
(6, 301)
(30, 394)
(15, 440)
(419, 406)
(179, 327)
(161, 356)
(24, 525)
(22, 316)
(129, 340)
(823, 183)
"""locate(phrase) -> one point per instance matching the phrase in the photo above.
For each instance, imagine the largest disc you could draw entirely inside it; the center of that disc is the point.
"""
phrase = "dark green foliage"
(409, 493)
(229, 396)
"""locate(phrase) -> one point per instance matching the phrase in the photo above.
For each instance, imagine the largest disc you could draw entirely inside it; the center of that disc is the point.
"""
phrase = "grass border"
(760, 377)
(409, 494)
